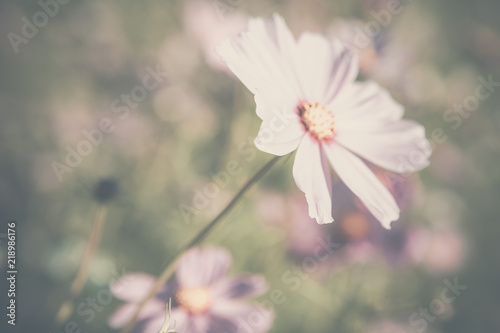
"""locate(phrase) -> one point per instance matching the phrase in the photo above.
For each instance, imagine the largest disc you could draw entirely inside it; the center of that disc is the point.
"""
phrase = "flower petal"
(180, 318)
(203, 266)
(261, 59)
(132, 287)
(240, 286)
(236, 316)
(368, 122)
(342, 72)
(280, 134)
(153, 325)
(396, 146)
(363, 183)
(364, 104)
(324, 67)
(312, 176)
(121, 316)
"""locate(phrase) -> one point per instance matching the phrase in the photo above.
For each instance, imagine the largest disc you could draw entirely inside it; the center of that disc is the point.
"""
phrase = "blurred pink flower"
(308, 101)
(203, 298)
(364, 238)
(204, 21)
(440, 251)
(359, 236)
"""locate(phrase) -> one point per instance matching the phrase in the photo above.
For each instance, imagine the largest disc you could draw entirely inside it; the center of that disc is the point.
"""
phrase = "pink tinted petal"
(237, 316)
(132, 287)
(324, 67)
(274, 36)
(154, 325)
(316, 60)
(240, 286)
(280, 134)
(396, 146)
(364, 104)
(312, 176)
(203, 266)
(199, 323)
(364, 184)
(121, 316)
(184, 322)
(342, 72)
(257, 59)
(180, 318)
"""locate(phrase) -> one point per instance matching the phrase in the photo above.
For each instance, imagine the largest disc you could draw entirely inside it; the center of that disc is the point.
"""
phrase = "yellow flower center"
(317, 120)
(194, 300)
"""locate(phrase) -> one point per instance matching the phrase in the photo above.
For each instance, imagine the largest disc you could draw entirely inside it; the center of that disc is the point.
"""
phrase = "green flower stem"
(67, 307)
(170, 269)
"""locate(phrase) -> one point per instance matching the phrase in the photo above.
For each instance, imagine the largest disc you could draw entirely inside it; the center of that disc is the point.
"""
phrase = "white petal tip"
(322, 220)
(387, 223)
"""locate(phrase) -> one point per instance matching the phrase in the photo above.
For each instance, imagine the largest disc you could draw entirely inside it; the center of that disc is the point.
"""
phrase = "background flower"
(195, 130)
(204, 299)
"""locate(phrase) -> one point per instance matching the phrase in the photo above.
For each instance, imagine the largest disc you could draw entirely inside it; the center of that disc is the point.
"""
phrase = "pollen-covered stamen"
(317, 120)
(194, 300)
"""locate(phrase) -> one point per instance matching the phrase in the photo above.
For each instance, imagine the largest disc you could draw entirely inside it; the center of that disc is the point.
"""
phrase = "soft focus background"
(171, 145)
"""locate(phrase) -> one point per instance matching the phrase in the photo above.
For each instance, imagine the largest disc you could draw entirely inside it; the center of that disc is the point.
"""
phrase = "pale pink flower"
(204, 298)
(359, 236)
(440, 250)
(308, 100)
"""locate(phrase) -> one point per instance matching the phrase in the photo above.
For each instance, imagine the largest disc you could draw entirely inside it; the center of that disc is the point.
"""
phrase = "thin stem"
(67, 307)
(170, 269)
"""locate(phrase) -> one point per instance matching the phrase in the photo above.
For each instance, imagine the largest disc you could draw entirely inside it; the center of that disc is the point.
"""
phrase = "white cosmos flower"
(308, 100)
